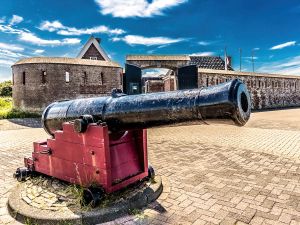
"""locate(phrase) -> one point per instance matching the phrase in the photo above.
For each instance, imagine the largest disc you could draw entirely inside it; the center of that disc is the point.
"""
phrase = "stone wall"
(267, 90)
(154, 86)
(93, 52)
(169, 83)
(46, 83)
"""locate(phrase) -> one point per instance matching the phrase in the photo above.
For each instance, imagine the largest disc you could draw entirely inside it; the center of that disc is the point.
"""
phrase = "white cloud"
(250, 57)
(29, 37)
(154, 72)
(51, 26)
(204, 43)
(256, 49)
(59, 28)
(8, 29)
(11, 47)
(289, 66)
(2, 19)
(202, 54)
(5, 62)
(38, 51)
(136, 8)
(4, 53)
(33, 39)
(284, 45)
(148, 41)
(15, 19)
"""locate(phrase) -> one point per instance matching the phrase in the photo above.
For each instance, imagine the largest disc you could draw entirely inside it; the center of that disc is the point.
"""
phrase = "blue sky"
(269, 29)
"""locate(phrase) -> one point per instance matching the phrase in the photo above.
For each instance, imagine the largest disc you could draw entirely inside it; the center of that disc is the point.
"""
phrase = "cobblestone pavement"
(212, 174)
(14, 124)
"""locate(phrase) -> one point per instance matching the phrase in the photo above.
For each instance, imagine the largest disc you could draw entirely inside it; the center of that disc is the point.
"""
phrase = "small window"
(85, 78)
(206, 81)
(101, 78)
(44, 73)
(23, 78)
(13, 79)
(93, 58)
(67, 77)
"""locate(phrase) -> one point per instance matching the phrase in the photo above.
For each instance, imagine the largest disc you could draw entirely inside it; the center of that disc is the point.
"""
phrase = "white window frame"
(67, 77)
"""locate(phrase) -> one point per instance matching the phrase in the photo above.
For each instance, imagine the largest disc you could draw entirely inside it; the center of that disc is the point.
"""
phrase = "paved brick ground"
(212, 174)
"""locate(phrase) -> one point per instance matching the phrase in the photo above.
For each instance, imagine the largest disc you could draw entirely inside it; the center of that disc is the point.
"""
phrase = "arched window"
(23, 78)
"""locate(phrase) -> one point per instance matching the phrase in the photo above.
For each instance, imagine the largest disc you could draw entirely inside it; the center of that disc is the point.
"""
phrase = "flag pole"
(225, 58)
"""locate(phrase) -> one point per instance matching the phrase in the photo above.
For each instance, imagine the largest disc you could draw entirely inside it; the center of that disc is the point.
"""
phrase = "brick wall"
(92, 52)
(154, 86)
(169, 83)
(85, 81)
(267, 90)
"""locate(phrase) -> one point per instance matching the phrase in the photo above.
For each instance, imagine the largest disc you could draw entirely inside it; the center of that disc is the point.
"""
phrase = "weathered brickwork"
(267, 90)
(154, 86)
(169, 83)
(93, 52)
(40, 90)
(158, 61)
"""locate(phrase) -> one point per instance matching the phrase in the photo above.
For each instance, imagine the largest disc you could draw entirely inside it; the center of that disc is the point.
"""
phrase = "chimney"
(98, 39)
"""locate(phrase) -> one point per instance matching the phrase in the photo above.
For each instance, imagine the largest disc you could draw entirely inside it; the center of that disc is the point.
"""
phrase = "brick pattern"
(35, 95)
(266, 91)
(92, 52)
(210, 62)
(169, 83)
(159, 63)
(154, 86)
(211, 174)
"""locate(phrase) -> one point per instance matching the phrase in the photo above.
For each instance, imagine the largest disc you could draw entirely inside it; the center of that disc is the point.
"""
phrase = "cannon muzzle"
(228, 102)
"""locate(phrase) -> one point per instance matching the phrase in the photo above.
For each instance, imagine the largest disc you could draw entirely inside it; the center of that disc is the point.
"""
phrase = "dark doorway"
(188, 77)
(132, 82)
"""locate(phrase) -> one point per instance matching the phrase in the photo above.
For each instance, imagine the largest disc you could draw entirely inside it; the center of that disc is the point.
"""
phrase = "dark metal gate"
(188, 77)
(132, 81)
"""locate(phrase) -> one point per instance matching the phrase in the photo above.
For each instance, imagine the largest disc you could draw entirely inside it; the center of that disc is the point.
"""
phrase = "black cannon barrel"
(227, 102)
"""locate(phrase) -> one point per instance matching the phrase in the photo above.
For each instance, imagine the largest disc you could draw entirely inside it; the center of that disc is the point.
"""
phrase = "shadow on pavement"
(27, 122)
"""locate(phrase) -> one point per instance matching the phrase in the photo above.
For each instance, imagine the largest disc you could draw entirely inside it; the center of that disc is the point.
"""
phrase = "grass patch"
(8, 112)
(138, 213)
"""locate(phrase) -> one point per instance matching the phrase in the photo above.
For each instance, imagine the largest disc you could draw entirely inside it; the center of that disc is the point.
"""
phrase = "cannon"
(103, 140)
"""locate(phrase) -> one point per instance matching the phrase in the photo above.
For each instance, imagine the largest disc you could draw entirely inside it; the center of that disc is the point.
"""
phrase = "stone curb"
(23, 212)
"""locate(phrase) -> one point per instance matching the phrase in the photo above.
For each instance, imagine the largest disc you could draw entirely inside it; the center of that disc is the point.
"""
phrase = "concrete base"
(132, 198)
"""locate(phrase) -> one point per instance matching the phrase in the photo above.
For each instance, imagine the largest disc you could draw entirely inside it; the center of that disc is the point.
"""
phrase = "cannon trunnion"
(102, 141)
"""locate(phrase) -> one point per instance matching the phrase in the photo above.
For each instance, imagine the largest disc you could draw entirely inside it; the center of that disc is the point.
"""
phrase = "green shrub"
(6, 89)
(8, 112)
(5, 103)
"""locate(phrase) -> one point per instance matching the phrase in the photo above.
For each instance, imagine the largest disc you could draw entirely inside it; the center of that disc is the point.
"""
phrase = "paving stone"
(214, 171)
